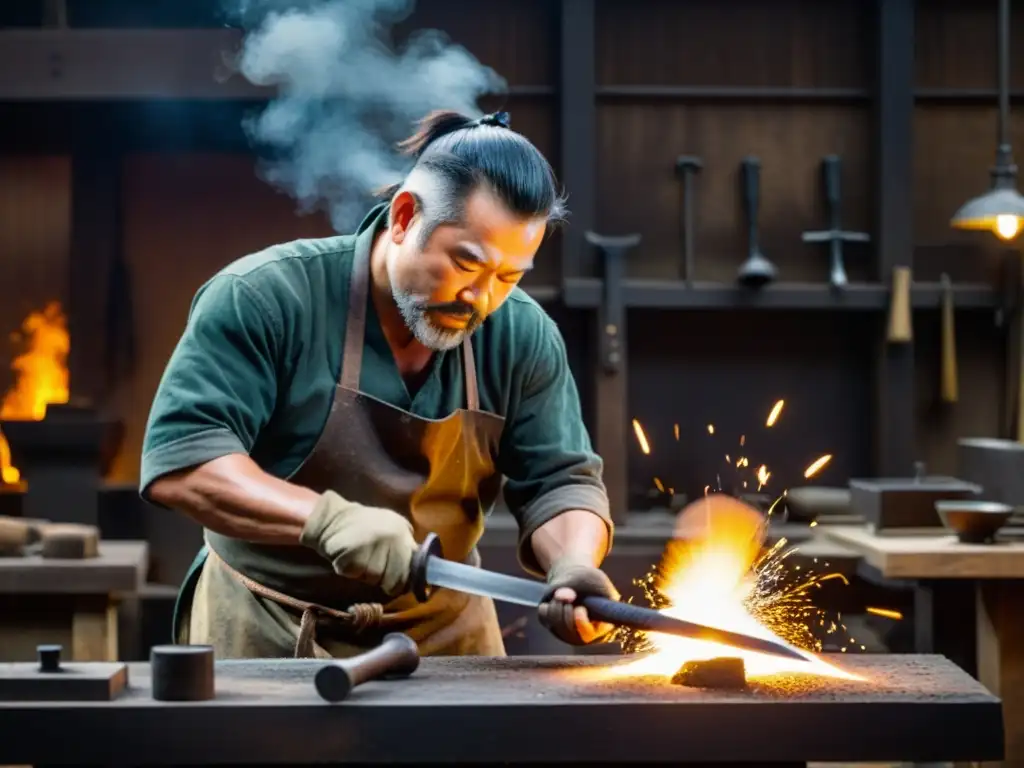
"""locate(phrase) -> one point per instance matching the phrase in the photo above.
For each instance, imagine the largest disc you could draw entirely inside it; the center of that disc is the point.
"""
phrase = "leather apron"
(256, 601)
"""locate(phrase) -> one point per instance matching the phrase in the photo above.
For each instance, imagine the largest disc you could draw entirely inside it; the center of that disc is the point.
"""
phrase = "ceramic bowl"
(973, 522)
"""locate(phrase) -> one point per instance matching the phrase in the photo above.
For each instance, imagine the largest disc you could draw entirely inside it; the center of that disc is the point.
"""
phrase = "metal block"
(23, 681)
(995, 465)
(891, 505)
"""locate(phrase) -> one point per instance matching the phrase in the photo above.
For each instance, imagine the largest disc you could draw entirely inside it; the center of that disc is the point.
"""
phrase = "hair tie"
(496, 119)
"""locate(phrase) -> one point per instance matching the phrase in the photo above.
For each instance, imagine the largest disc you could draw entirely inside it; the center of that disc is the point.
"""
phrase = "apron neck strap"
(355, 330)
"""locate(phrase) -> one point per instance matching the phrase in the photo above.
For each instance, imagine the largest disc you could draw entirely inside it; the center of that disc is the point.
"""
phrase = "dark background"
(169, 184)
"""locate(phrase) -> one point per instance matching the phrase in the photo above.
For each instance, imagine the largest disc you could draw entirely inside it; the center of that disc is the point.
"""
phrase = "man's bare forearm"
(232, 496)
(576, 534)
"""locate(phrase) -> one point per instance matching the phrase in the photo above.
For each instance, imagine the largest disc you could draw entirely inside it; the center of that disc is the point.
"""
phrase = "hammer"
(688, 166)
(396, 656)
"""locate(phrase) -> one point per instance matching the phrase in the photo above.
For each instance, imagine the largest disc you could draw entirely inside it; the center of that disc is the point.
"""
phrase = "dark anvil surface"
(521, 709)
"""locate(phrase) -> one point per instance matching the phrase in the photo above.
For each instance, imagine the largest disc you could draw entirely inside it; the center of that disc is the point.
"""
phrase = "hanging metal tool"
(687, 167)
(949, 384)
(613, 306)
(835, 235)
(757, 271)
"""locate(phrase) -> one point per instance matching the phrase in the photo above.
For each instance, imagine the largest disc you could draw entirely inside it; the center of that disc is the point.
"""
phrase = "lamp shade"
(1000, 211)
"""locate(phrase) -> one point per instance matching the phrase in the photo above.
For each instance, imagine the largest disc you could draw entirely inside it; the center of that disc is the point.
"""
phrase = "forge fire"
(718, 572)
(40, 376)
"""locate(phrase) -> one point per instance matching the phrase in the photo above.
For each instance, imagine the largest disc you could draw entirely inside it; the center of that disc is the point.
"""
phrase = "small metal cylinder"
(182, 672)
(49, 657)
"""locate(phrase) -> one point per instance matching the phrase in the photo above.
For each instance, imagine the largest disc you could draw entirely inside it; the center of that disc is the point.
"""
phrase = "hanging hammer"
(688, 166)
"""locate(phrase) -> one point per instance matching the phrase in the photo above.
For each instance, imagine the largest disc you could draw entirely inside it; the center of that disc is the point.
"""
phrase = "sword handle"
(620, 614)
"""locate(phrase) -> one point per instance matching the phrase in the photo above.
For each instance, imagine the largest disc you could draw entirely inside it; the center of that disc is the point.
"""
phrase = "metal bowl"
(973, 522)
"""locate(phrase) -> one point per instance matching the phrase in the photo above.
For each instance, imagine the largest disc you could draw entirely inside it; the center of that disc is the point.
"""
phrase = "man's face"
(464, 272)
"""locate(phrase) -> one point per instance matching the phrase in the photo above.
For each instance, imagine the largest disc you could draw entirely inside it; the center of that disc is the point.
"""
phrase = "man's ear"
(405, 208)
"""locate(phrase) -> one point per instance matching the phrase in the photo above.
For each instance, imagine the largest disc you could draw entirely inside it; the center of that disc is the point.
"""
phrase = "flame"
(715, 574)
(40, 375)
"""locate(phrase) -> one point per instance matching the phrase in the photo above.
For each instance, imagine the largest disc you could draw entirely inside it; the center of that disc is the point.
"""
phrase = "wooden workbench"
(996, 574)
(492, 711)
(70, 602)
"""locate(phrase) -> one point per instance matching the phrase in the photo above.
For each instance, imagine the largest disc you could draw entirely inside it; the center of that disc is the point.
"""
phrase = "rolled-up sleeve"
(546, 454)
(219, 388)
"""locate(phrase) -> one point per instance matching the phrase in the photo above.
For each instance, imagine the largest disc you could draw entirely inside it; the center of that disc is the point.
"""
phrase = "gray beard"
(425, 332)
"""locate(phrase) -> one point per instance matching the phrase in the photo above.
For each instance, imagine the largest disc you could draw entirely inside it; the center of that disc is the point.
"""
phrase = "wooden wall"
(672, 78)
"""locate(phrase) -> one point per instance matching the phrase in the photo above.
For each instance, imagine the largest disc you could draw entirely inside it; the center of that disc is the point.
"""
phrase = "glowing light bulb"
(1007, 226)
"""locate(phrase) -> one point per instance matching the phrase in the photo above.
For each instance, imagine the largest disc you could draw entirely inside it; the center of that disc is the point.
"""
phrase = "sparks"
(886, 613)
(711, 429)
(775, 413)
(641, 437)
(715, 573)
(817, 465)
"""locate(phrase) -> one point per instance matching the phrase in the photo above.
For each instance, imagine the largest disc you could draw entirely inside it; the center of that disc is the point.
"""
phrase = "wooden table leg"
(1000, 625)
(94, 628)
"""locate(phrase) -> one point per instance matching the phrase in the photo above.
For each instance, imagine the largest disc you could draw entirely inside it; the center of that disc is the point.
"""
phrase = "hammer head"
(687, 164)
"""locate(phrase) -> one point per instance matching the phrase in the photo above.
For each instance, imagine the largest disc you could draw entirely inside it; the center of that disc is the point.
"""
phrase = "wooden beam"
(895, 426)
(578, 118)
(578, 123)
(46, 64)
(83, 64)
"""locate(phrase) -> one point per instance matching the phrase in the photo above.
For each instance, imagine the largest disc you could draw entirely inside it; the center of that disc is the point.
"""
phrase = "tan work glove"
(569, 580)
(367, 544)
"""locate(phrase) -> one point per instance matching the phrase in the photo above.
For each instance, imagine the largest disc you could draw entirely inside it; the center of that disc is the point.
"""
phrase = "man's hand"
(368, 544)
(569, 580)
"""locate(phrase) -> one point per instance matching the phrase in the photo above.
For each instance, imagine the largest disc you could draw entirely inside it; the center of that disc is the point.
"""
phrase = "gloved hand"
(368, 544)
(569, 580)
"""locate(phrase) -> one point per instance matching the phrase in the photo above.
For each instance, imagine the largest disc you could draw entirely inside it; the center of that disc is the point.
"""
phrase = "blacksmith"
(332, 401)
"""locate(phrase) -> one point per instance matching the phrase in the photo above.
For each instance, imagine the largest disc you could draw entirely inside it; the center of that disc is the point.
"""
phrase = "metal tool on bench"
(50, 679)
(430, 569)
(613, 306)
(687, 167)
(396, 656)
(757, 270)
(835, 235)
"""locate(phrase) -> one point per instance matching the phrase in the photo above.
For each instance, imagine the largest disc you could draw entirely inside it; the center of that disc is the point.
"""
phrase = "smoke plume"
(346, 94)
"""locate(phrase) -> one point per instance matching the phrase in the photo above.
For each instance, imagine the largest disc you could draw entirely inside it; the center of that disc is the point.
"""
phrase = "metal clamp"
(613, 305)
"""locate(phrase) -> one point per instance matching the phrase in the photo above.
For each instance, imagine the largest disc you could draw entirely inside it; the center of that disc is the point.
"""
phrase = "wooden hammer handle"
(901, 329)
(950, 390)
(396, 655)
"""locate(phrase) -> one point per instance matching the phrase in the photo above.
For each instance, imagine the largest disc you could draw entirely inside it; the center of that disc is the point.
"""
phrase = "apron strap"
(469, 373)
(355, 326)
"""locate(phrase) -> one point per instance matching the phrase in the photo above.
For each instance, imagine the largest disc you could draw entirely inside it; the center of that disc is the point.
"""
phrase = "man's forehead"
(513, 237)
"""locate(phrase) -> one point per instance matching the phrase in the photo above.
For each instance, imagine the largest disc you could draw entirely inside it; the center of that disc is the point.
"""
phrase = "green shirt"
(256, 367)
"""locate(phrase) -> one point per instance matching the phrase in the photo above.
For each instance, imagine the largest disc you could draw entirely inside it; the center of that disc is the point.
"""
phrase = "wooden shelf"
(788, 95)
(584, 293)
(987, 96)
(716, 93)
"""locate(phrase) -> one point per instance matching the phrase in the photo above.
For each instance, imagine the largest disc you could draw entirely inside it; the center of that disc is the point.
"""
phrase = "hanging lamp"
(1001, 209)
